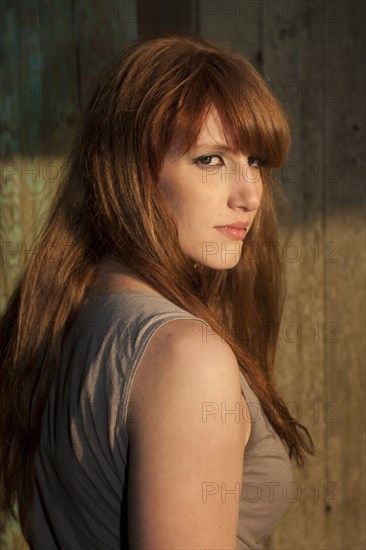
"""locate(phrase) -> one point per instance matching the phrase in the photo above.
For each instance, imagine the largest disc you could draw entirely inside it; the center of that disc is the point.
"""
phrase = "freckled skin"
(212, 193)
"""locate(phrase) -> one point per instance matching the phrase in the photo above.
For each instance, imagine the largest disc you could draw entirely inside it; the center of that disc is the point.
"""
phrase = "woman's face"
(207, 188)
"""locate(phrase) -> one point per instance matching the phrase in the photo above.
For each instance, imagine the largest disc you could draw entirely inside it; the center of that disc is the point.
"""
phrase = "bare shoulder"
(190, 336)
(186, 441)
(182, 352)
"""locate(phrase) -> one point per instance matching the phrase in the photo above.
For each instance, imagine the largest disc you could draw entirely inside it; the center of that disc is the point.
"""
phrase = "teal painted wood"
(50, 53)
(10, 143)
(102, 32)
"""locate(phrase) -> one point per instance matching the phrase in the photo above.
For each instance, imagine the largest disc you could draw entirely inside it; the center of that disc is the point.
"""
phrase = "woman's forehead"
(211, 134)
(211, 129)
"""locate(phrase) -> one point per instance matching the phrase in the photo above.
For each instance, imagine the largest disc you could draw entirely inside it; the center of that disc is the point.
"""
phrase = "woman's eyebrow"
(216, 145)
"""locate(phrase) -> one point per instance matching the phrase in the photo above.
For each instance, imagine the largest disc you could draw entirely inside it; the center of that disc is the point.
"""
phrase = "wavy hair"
(107, 203)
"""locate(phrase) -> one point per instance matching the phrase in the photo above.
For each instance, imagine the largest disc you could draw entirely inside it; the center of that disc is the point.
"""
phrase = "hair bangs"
(193, 104)
(251, 117)
(253, 129)
(175, 126)
(252, 120)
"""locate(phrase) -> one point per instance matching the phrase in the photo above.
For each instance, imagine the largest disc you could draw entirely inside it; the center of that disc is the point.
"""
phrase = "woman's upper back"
(81, 497)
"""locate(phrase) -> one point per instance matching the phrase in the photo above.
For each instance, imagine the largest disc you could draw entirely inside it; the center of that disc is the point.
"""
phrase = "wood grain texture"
(100, 36)
(320, 361)
(159, 16)
(51, 54)
(312, 55)
(228, 23)
(330, 210)
(344, 147)
(293, 69)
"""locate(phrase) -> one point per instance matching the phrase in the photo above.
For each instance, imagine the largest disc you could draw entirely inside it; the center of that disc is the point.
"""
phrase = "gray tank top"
(81, 466)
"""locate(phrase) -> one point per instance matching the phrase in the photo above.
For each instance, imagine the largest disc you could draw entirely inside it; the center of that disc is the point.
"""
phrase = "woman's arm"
(186, 448)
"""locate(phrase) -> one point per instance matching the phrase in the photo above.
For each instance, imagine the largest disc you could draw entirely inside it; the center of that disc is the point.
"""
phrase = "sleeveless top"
(81, 465)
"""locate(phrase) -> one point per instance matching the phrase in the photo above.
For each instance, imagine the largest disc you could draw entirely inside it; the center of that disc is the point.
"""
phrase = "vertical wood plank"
(236, 24)
(37, 120)
(10, 145)
(312, 55)
(294, 64)
(157, 16)
(102, 30)
(51, 51)
(283, 42)
(344, 148)
(293, 67)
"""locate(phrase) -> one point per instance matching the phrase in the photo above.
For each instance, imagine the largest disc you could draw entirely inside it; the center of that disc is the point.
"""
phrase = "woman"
(138, 406)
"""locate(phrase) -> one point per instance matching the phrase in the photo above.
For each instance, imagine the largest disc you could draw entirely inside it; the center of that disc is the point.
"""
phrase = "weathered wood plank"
(236, 24)
(38, 116)
(312, 55)
(293, 66)
(279, 48)
(38, 119)
(50, 52)
(157, 16)
(344, 151)
(102, 30)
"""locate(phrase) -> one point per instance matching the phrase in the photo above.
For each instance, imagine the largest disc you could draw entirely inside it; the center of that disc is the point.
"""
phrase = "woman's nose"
(246, 186)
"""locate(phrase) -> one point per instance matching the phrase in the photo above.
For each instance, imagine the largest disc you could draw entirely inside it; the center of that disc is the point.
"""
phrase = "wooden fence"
(312, 54)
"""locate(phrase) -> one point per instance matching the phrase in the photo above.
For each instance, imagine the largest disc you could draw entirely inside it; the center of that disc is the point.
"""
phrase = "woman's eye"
(201, 160)
(254, 161)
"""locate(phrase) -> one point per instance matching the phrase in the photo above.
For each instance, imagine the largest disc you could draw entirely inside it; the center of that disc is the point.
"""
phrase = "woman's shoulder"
(182, 356)
(181, 389)
(191, 334)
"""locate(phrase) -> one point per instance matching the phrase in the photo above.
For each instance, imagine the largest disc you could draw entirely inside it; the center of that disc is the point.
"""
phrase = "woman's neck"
(111, 276)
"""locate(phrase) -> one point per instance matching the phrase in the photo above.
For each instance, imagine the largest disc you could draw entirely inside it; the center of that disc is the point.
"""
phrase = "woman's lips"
(232, 232)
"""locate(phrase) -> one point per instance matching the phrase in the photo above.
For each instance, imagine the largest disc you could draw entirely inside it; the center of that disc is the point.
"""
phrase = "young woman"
(138, 406)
